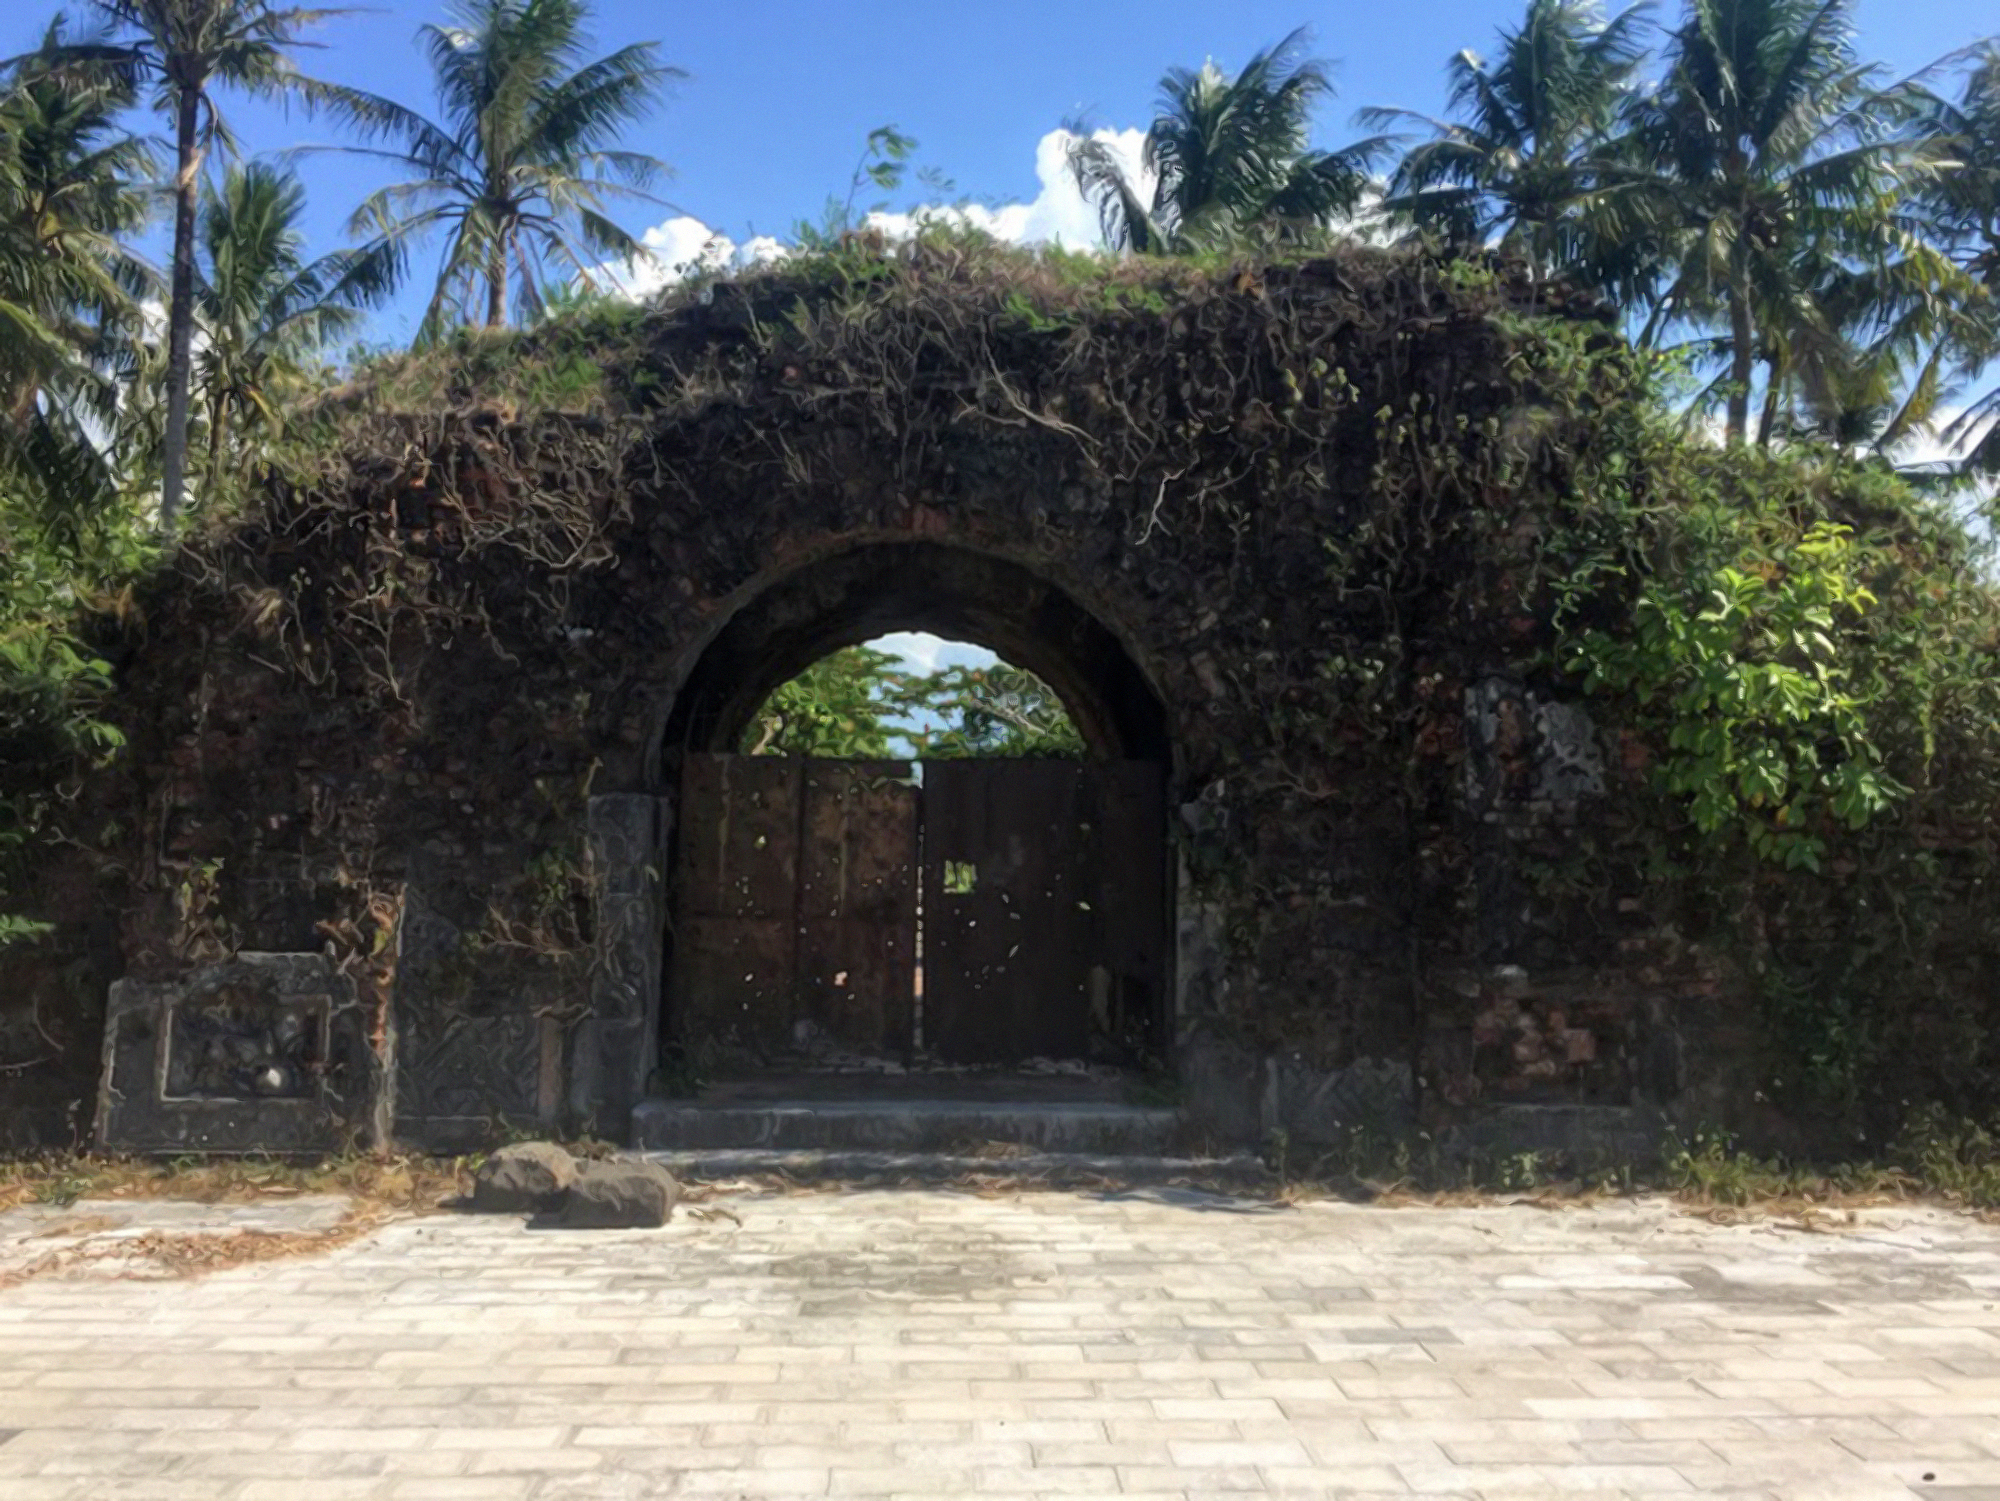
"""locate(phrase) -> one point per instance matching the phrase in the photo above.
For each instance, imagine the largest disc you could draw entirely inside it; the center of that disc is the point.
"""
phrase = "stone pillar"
(618, 1046)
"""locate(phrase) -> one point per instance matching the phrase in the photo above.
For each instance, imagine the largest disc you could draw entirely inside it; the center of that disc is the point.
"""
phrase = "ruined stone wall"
(371, 718)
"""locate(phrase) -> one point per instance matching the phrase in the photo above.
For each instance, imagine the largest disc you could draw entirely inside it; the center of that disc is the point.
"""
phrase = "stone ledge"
(1029, 1169)
(906, 1126)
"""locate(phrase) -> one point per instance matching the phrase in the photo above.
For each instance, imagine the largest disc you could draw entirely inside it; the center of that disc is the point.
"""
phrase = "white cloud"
(1058, 214)
(682, 246)
(924, 653)
(1370, 223)
(1931, 449)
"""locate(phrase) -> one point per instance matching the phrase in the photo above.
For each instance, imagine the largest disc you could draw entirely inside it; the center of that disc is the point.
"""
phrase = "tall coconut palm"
(71, 186)
(1767, 154)
(184, 49)
(264, 310)
(1519, 153)
(1857, 358)
(1229, 158)
(519, 168)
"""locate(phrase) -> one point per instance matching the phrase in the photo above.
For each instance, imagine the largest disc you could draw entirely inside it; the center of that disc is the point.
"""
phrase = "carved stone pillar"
(617, 1048)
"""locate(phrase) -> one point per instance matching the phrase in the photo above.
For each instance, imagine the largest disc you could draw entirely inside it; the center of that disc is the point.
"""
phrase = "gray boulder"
(528, 1177)
(619, 1195)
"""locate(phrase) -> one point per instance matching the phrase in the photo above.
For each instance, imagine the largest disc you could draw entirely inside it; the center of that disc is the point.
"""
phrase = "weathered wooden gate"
(795, 901)
(1040, 884)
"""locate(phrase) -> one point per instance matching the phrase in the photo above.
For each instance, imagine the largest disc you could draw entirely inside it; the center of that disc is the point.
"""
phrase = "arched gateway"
(431, 821)
(803, 890)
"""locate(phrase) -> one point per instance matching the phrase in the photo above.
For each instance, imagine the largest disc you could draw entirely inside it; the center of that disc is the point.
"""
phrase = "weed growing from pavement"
(396, 1182)
(1936, 1158)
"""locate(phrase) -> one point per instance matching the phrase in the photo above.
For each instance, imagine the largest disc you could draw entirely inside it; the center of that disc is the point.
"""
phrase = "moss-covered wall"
(369, 713)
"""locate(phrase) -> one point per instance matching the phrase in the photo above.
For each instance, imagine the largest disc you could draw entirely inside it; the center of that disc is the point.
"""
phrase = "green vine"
(1743, 674)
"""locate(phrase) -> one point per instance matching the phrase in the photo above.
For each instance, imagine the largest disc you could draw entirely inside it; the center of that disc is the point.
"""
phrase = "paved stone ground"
(117, 1233)
(931, 1344)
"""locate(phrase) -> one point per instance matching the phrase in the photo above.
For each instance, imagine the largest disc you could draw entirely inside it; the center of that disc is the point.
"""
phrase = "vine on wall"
(1324, 498)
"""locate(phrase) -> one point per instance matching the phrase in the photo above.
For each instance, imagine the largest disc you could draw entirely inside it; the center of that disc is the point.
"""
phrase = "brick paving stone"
(926, 1344)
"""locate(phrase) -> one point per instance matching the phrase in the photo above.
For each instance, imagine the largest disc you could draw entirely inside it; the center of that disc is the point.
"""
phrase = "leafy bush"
(1764, 727)
(1800, 653)
(55, 691)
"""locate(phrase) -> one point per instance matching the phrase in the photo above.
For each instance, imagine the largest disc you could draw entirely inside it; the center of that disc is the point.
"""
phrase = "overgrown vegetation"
(1803, 654)
(1795, 645)
(1795, 648)
(864, 703)
(400, 1182)
(55, 689)
(1935, 1158)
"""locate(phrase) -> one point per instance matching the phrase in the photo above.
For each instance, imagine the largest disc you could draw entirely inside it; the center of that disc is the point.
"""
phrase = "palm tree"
(1960, 208)
(1767, 157)
(264, 310)
(519, 168)
(184, 48)
(1520, 152)
(70, 188)
(1229, 158)
(1881, 333)
(1963, 201)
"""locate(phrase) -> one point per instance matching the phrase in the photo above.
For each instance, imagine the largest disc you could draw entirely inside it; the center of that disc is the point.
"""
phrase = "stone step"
(1242, 1173)
(952, 1127)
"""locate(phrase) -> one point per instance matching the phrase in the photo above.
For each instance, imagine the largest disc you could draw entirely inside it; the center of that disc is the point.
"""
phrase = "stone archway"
(783, 626)
(795, 882)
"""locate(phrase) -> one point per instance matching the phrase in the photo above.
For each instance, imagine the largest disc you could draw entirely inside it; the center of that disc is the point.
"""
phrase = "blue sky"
(782, 93)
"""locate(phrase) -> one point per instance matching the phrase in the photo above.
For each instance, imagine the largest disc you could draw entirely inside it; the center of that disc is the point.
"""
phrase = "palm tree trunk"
(180, 308)
(496, 287)
(1742, 361)
(1768, 422)
(217, 417)
(1656, 320)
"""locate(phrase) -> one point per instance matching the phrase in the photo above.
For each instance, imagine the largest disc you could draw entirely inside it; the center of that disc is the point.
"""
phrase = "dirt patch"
(409, 1184)
(103, 1239)
(157, 1254)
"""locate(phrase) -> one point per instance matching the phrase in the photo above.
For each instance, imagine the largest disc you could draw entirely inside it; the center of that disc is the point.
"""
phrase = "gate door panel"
(858, 902)
(735, 954)
(1128, 976)
(1043, 883)
(1007, 918)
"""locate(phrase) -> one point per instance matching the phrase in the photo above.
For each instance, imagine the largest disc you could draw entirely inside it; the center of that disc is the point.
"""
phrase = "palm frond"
(594, 105)
(519, 162)
(1123, 216)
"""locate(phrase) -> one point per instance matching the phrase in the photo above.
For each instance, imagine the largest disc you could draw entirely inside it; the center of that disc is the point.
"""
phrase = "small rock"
(525, 1178)
(618, 1195)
